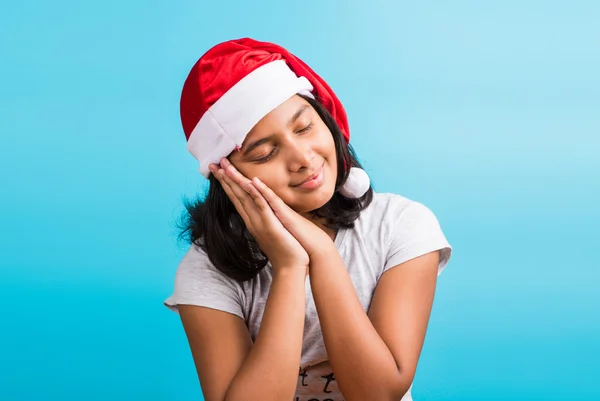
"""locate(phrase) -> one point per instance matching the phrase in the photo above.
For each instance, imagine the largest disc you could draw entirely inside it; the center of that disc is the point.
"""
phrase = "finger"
(237, 189)
(244, 183)
(232, 196)
(234, 173)
(265, 214)
(220, 175)
(274, 201)
(260, 201)
(253, 206)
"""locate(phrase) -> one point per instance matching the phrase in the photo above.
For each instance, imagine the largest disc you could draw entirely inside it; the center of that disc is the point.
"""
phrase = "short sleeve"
(198, 282)
(415, 231)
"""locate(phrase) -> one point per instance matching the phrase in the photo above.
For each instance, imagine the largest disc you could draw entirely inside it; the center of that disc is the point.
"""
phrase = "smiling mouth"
(314, 180)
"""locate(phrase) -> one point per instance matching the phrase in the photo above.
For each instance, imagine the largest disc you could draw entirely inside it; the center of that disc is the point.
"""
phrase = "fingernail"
(224, 161)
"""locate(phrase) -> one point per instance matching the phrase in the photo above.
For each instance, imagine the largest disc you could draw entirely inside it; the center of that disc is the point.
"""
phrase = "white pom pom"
(357, 184)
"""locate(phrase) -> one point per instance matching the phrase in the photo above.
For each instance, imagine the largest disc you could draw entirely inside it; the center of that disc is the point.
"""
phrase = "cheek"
(277, 185)
(329, 151)
(287, 194)
(326, 142)
(271, 174)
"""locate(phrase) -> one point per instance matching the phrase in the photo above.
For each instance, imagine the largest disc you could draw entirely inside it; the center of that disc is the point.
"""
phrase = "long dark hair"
(215, 225)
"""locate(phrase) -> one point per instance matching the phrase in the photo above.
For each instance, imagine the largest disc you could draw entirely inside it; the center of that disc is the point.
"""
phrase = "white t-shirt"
(392, 230)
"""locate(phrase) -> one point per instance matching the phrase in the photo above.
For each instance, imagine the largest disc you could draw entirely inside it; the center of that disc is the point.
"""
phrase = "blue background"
(487, 113)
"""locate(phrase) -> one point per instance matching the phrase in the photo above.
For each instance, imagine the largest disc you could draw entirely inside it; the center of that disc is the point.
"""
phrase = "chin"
(307, 202)
(304, 200)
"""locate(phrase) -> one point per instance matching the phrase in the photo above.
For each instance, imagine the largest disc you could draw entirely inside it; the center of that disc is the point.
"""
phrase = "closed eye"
(305, 129)
(265, 158)
(272, 153)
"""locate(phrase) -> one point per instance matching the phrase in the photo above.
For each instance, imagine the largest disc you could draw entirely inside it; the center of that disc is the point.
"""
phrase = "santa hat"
(235, 84)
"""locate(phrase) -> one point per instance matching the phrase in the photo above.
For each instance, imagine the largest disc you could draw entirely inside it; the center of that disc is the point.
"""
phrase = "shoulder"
(195, 263)
(408, 210)
(195, 267)
(406, 227)
(390, 201)
(389, 209)
(199, 282)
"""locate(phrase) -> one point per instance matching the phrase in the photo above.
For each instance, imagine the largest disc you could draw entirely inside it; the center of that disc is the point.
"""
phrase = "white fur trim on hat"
(226, 123)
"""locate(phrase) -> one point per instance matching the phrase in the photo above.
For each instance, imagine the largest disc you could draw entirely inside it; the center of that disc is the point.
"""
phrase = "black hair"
(215, 225)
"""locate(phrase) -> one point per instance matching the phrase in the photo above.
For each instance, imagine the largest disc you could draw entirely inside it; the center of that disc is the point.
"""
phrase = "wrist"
(323, 251)
(290, 272)
(318, 242)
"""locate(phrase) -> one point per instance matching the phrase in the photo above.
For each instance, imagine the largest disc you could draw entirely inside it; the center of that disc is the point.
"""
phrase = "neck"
(319, 222)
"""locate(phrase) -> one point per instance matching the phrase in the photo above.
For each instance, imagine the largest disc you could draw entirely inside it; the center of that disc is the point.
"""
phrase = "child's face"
(284, 149)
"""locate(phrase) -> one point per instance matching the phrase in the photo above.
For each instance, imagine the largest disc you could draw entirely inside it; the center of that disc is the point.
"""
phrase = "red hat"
(235, 84)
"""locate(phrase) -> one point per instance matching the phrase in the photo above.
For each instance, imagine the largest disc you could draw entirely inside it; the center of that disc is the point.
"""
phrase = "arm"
(229, 367)
(374, 356)
(267, 370)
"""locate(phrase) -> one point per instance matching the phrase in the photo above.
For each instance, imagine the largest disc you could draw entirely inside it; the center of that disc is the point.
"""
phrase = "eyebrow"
(297, 114)
(256, 144)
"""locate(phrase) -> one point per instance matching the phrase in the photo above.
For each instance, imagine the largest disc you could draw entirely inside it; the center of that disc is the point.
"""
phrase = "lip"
(314, 181)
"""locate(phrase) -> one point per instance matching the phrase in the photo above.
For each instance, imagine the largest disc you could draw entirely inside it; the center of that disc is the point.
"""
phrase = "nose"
(299, 155)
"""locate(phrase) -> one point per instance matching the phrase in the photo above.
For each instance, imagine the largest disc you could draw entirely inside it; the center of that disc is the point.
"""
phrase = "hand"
(312, 238)
(280, 246)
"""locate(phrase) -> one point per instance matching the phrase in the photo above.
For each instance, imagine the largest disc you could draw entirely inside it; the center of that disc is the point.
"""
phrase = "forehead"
(278, 118)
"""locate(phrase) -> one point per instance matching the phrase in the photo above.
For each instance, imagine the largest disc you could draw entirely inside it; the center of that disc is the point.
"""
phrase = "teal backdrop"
(487, 112)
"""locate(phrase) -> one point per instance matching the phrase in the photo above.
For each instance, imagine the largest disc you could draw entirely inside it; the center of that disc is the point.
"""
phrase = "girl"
(301, 283)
